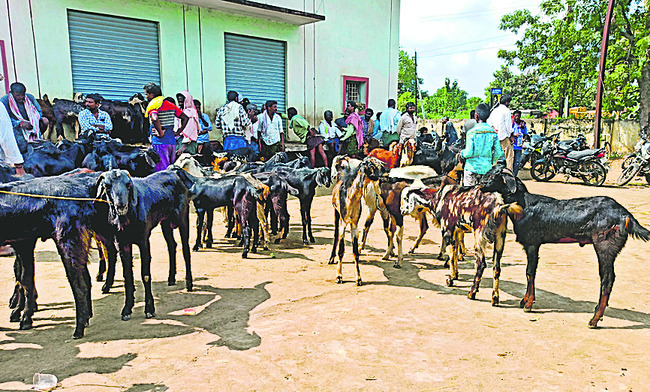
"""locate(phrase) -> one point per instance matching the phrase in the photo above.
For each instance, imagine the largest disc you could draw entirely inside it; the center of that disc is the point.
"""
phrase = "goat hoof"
(100, 278)
(397, 266)
(312, 240)
(471, 295)
(495, 301)
(13, 301)
(339, 279)
(171, 282)
(331, 261)
(126, 317)
(208, 245)
(78, 335)
(15, 317)
(305, 242)
(149, 315)
(25, 325)
(411, 251)
(244, 255)
(195, 248)
(189, 287)
(528, 308)
(522, 303)
(385, 257)
(450, 281)
(593, 324)
(359, 283)
(106, 289)
(277, 241)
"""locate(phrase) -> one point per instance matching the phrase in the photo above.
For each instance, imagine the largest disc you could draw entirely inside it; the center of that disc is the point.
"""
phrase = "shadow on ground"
(49, 348)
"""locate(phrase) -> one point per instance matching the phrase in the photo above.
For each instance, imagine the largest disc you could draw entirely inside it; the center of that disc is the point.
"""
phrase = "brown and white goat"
(346, 199)
(463, 210)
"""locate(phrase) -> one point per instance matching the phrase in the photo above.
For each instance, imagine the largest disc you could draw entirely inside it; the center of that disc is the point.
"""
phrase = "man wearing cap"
(407, 127)
(501, 120)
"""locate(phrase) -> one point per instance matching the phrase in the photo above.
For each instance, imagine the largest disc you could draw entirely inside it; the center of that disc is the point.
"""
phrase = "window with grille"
(355, 89)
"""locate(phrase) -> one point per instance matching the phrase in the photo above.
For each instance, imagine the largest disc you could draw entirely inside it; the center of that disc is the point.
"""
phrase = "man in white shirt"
(270, 131)
(9, 152)
(501, 120)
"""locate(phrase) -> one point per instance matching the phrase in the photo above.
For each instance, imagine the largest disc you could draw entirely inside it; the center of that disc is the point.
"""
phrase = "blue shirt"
(376, 133)
(389, 119)
(482, 149)
(204, 138)
(519, 131)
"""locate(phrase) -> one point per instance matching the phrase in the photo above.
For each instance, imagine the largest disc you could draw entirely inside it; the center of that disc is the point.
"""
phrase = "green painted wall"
(356, 39)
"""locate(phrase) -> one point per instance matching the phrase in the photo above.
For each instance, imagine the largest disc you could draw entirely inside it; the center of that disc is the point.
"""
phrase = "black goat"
(101, 158)
(23, 220)
(276, 202)
(599, 220)
(234, 192)
(259, 167)
(44, 159)
(138, 205)
(73, 150)
(306, 181)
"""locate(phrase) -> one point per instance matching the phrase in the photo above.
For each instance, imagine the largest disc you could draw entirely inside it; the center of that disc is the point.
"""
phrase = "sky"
(458, 39)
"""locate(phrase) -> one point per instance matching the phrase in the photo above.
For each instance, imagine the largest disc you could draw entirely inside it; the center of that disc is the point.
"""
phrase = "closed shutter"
(112, 56)
(255, 68)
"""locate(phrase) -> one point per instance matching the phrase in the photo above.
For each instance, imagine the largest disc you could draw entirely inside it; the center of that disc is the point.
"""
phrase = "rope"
(55, 197)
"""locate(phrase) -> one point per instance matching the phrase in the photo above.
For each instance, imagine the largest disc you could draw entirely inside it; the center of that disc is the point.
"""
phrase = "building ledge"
(258, 10)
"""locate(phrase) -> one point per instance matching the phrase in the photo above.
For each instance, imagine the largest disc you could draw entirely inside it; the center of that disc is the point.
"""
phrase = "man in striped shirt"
(162, 114)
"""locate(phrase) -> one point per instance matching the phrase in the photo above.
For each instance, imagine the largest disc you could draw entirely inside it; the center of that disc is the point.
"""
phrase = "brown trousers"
(509, 152)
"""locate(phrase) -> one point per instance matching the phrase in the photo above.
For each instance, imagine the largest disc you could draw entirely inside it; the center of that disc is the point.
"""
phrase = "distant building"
(312, 55)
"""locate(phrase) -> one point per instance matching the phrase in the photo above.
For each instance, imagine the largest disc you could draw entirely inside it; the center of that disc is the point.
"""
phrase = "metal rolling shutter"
(255, 68)
(112, 56)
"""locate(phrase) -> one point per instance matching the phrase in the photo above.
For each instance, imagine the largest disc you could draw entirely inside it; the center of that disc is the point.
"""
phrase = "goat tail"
(498, 221)
(515, 211)
(634, 228)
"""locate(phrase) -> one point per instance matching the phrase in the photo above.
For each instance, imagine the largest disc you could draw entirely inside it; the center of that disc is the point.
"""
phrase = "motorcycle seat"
(582, 154)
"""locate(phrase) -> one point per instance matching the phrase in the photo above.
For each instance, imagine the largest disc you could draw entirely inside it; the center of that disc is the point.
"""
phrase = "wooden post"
(601, 74)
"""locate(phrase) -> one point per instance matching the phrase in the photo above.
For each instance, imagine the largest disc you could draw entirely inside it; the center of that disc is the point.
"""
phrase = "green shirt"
(482, 149)
(300, 126)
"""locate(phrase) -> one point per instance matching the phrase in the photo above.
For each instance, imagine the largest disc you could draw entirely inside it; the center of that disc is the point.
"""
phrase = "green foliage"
(403, 99)
(406, 75)
(447, 100)
(527, 89)
(560, 48)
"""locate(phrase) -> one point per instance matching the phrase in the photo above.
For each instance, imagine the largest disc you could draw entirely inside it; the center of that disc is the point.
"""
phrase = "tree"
(449, 100)
(406, 75)
(563, 44)
(527, 89)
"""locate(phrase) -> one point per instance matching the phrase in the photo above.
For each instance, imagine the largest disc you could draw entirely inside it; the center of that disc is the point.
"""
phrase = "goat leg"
(168, 234)
(421, 218)
(389, 229)
(184, 228)
(498, 253)
(308, 214)
(145, 268)
(606, 269)
(339, 276)
(336, 237)
(532, 253)
(200, 217)
(400, 254)
(111, 260)
(102, 261)
(355, 250)
(126, 255)
(480, 267)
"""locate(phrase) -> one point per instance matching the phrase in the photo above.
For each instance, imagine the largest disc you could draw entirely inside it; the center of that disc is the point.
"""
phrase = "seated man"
(92, 120)
(26, 115)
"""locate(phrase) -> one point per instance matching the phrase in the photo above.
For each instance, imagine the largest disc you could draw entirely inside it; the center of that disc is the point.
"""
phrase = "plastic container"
(44, 382)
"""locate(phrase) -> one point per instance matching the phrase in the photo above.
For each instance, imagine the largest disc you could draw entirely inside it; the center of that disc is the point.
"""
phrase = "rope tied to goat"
(70, 198)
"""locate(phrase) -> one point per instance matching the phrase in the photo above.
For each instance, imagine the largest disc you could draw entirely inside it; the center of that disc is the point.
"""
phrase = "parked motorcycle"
(640, 165)
(629, 158)
(589, 165)
(532, 149)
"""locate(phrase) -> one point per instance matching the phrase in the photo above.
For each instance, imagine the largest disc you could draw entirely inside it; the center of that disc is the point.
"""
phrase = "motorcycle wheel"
(597, 173)
(628, 174)
(542, 171)
(627, 161)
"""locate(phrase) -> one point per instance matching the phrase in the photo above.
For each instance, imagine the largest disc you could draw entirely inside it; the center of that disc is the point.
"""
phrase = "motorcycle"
(532, 149)
(629, 158)
(589, 165)
(640, 165)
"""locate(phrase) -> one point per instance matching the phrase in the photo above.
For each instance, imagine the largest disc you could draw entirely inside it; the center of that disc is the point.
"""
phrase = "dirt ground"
(277, 321)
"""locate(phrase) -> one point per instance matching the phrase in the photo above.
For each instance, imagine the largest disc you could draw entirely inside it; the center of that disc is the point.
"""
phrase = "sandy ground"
(281, 323)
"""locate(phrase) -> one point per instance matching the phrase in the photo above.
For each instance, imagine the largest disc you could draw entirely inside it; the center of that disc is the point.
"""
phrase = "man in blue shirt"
(482, 148)
(519, 131)
(388, 123)
(93, 120)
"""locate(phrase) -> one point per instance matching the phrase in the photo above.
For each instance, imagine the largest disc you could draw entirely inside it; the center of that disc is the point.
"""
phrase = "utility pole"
(416, 83)
(601, 74)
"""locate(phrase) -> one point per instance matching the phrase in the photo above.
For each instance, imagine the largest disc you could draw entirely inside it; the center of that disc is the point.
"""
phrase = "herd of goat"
(109, 193)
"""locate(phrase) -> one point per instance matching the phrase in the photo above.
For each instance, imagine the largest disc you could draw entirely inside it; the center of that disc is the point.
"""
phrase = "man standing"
(388, 123)
(407, 127)
(482, 148)
(368, 124)
(501, 120)
(251, 111)
(519, 131)
(9, 152)
(92, 120)
(233, 122)
(271, 131)
(26, 115)
(162, 114)
(203, 140)
(448, 131)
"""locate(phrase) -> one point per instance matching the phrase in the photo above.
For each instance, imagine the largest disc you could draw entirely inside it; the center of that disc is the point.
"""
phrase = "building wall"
(192, 47)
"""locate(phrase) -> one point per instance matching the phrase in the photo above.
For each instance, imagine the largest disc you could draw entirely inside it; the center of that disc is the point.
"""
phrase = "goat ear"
(511, 182)
(101, 190)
